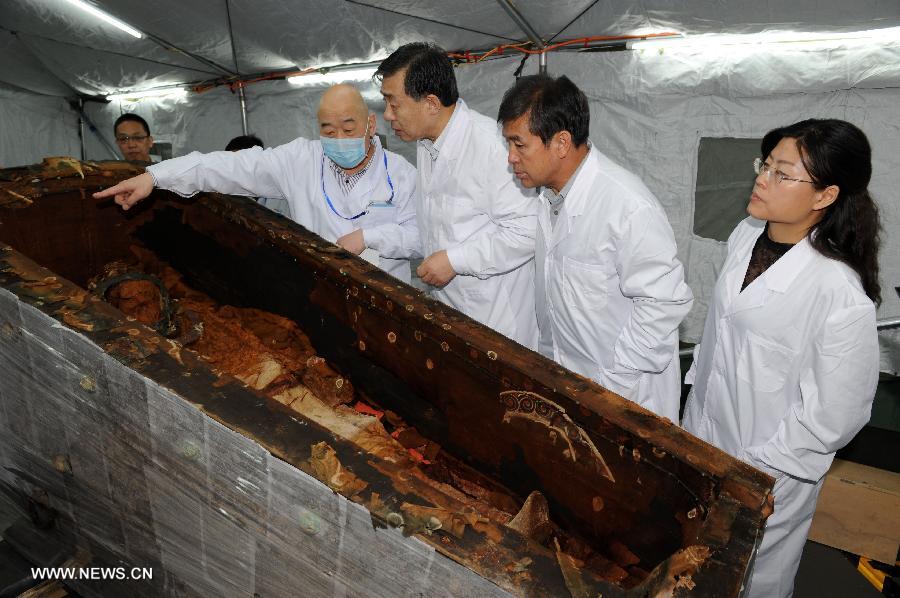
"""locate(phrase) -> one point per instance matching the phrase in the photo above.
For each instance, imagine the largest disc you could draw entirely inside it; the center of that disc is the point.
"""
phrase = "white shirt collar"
(434, 147)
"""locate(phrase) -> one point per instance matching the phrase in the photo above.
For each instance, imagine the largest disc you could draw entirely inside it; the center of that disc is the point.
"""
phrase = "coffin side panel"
(137, 470)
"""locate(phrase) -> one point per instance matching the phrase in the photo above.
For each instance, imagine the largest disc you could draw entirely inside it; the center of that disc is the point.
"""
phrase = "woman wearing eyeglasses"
(787, 367)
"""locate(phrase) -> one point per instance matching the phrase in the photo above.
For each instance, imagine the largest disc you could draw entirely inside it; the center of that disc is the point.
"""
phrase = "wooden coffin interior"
(634, 487)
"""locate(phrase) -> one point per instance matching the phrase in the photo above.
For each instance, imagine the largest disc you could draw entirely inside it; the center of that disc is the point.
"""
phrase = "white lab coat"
(471, 205)
(276, 204)
(610, 291)
(294, 171)
(784, 377)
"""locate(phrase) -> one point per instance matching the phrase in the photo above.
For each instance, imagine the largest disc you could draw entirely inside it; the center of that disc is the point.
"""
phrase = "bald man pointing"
(343, 186)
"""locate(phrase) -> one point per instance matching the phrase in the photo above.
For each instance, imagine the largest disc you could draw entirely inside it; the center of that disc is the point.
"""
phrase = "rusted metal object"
(619, 501)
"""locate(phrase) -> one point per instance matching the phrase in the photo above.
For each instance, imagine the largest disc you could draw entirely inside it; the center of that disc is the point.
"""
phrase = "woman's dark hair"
(428, 71)
(835, 152)
(554, 105)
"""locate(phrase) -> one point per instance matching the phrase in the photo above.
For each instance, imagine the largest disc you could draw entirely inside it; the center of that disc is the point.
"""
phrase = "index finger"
(114, 190)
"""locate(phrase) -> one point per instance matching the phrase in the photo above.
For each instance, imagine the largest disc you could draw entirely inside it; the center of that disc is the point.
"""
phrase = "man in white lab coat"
(476, 224)
(344, 186)
(610, 291)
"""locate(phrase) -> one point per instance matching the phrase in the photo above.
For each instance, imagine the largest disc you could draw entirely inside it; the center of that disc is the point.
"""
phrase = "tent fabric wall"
(269, 35)
(203, 122)
(649, 111)
(34, 126)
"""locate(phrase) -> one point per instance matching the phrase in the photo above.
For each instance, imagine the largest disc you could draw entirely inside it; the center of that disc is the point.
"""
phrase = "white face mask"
(347, 152)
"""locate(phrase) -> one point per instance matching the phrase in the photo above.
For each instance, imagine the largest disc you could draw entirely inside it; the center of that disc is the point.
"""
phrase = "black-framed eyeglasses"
(127, 138)
(760, 167)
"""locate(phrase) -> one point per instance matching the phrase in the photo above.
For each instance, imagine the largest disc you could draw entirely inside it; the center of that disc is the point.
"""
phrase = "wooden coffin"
(151, 456)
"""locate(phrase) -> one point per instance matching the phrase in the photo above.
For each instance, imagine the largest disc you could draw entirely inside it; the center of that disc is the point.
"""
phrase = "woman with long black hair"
(787, 367)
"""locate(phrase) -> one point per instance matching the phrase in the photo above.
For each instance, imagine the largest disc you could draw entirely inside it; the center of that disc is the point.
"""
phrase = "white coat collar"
(776, 279)
(784, 271)
(447, 145)
(434, 147)
(574, 204)
(556, 199)
(578, 195)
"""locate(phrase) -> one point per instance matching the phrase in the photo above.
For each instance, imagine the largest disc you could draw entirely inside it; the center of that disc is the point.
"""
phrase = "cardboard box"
(859, 511)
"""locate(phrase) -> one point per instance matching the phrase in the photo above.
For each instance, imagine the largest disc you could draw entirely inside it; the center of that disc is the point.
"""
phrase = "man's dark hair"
(129, 116)
(428, 71)
(243, 142)
(554, 105)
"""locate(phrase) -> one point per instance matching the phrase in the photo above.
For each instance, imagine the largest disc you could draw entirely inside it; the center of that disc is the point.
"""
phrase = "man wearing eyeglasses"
(343, 186)
(610, 291)
(133, 137)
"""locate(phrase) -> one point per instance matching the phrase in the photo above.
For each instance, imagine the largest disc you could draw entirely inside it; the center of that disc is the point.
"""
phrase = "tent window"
(724, 182)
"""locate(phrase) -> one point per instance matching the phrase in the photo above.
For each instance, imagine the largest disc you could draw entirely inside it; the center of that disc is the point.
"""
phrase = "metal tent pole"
(243, 101)
(81, 126)
(528, 30)
(241, 97)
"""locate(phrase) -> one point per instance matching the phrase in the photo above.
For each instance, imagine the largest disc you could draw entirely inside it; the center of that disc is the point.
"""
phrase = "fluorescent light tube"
(775, 37)
(334, 76)
(85, 6)
(173, 92)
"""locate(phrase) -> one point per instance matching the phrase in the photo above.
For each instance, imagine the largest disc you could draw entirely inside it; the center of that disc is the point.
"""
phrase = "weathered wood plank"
(167, 463)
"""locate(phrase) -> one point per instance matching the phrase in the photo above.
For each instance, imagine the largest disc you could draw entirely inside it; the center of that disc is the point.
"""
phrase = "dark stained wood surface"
(615, 473)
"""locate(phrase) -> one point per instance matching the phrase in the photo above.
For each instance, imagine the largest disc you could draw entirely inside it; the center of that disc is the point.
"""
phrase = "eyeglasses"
(760, 167)
(127, 138)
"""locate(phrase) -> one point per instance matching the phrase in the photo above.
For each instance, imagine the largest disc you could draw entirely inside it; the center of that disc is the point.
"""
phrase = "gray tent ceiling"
(52, 47)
